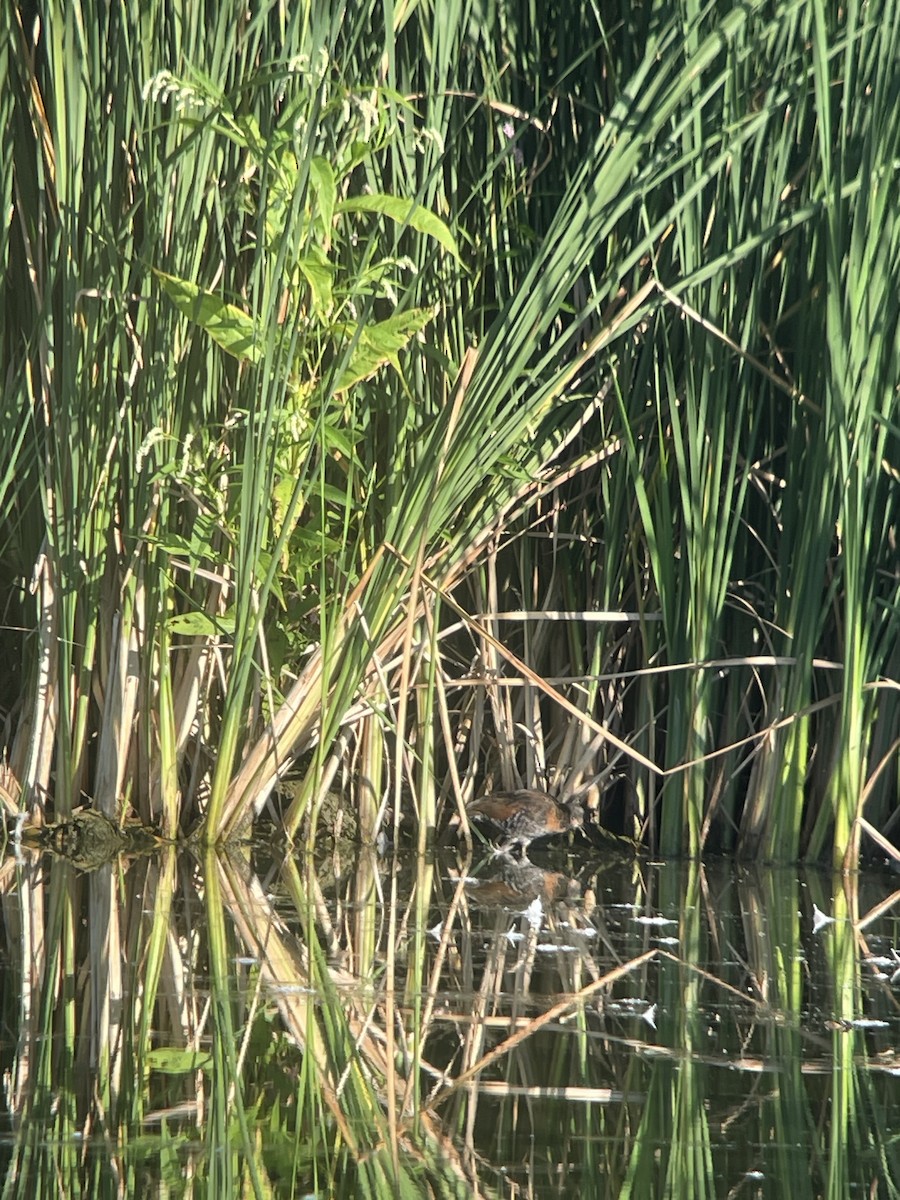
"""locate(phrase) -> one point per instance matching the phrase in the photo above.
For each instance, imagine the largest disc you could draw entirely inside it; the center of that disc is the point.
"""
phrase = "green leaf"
(322, 178)
(171, 1060)
(319, 274)
(229, 326)
(380, 343)
(315, 540)
(200, 624)
(404, 212)
(335, 438)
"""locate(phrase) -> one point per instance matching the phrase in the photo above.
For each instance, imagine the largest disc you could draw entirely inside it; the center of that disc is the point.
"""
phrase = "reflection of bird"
(512, 883)
(526, 815)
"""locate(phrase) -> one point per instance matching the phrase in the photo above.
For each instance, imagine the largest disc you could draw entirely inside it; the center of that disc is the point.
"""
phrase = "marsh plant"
(403, 402)
(408, 399)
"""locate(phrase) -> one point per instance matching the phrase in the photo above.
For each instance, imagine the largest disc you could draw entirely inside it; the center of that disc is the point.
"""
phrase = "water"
(752, 1054)
(567, 1026)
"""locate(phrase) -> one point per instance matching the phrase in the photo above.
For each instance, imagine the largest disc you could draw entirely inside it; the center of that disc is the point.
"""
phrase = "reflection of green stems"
(689, 1170)
(45, 1158)
(145, 1016)
(776, 954)
(843, 963)
(227, 1110)
(342, 1093)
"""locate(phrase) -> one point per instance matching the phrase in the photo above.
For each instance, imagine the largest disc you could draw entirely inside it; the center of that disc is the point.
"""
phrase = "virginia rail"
(525, 816)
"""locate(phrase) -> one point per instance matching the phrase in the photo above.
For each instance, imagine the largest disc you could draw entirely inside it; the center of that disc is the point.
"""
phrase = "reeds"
(322, 351)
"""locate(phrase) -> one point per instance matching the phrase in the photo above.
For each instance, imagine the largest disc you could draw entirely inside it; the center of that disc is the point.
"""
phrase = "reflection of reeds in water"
(85, 1012)
(344, 1026)
(339, 1032)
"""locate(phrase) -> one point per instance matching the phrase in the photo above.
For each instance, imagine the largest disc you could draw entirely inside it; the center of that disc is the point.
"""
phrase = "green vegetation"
(425, 396)
(344, 351)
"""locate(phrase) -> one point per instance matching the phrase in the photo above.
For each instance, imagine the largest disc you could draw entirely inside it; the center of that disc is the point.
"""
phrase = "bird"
(525, 816)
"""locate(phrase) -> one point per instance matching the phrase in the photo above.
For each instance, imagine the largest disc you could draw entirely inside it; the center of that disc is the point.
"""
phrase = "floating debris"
(534, 913)
(291, 989)
(820, 919)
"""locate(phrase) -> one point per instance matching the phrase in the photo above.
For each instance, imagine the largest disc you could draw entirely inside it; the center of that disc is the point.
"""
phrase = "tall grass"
(308, 316)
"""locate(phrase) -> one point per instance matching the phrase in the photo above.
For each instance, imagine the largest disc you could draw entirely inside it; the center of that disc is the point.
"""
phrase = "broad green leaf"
(200, 624)
(314, 539)
(171, 1060)
(380, 343)
(404, 212)
(230, 327)
(322, 177)
(335, 438)
(319, 274)
(246, 131)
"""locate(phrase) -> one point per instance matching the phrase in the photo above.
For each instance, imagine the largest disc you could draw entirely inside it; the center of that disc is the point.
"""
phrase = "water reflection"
(557, 1026)
(505, 882)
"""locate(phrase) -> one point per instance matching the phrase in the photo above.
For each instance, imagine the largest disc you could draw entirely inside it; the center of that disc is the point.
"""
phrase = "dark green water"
(568, 1026)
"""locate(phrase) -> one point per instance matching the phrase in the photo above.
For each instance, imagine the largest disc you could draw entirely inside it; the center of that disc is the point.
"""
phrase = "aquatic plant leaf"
(323, 180)
(380, 343)
(200, 624)
(319, 274)
(229, 326)
(404, 212)
(172, 1060)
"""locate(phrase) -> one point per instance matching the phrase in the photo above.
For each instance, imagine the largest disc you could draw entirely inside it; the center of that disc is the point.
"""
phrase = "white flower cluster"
(361, 107)
(164, 86)
(302, 64)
